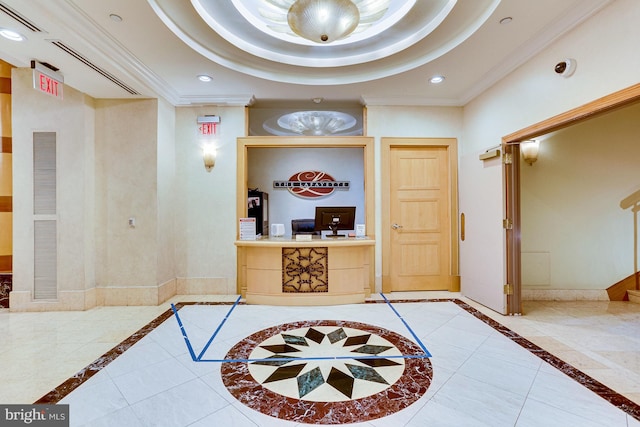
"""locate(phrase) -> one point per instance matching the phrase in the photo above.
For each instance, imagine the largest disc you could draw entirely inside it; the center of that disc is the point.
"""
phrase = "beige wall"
(126, 146)
(604, 47)
(574, 233)
(166, 173)
(72, 120)
(115, 161)
(421, 122)
(143, 159)
(205, 203)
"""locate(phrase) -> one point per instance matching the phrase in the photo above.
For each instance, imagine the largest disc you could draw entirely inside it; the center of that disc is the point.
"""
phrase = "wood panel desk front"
(265, 267)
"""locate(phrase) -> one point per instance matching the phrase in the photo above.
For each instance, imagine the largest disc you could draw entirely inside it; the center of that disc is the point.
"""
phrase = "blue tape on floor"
(305, 359)
(184, 333)
(302, 359)
(206, 347)
(426, 352)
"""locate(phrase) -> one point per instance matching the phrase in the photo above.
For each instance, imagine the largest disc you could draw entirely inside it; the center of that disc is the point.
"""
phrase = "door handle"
(395, 226)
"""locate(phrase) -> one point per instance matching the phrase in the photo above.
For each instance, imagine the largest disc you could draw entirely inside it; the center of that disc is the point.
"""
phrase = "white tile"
(93, 401)
(227, 417)
(504, 375)
(476, 400)
(141, 354)
(568, 395)
(153, 379)
(435, 414)
(447, 356)
(123, 417)
(180, 406)
(502, 348)
(536, 414)
(632, 422)
(456, 337)
(261, 419)
(474, 366)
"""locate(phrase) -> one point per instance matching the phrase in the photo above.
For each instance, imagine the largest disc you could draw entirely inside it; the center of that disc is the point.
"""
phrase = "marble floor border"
(610, 395)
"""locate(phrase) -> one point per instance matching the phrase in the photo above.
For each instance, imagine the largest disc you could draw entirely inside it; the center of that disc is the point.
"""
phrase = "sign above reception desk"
(311, 184)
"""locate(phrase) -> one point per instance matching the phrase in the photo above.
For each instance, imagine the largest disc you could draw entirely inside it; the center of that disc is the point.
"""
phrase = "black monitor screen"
(335, 218)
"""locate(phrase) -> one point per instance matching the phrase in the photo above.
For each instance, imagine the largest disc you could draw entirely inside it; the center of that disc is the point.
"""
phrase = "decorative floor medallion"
(327, 372)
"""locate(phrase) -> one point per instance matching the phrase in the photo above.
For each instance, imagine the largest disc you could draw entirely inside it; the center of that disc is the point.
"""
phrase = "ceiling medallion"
(235, 34)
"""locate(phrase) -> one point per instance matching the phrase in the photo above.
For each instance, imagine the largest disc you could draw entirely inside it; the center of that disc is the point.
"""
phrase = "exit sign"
(47, 81)
(208, 128)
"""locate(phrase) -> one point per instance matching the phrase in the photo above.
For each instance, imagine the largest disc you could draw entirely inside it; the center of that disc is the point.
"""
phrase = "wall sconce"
(530, 151)
(209, 156)
(208, 129)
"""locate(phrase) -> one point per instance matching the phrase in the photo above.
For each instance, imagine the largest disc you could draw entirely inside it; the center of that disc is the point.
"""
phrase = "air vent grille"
(94, 67)
(21, 19)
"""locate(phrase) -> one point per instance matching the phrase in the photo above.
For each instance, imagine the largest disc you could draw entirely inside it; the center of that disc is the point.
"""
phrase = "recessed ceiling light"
(436, 79)
(506, 20)
(204, 78)
(115, 18)
(11, 35)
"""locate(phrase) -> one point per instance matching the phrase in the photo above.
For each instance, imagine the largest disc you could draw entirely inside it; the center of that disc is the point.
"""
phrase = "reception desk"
(321, 271)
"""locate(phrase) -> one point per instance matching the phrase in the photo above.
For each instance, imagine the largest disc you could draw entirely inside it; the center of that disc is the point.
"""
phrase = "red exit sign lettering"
(47, 84)
(208, 128)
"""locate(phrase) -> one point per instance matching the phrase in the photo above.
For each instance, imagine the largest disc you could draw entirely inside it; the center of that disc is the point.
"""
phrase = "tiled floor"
(480, 373)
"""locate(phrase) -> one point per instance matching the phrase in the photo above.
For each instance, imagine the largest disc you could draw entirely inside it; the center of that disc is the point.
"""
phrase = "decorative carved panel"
(304, 270)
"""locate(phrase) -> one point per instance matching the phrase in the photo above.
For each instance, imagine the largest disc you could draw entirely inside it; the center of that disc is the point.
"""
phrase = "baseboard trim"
(565, 295)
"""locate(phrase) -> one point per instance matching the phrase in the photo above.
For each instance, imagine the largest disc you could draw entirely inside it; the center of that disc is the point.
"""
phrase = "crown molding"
(101, 48)
(545, 37)
(397, 101)
(198, 100)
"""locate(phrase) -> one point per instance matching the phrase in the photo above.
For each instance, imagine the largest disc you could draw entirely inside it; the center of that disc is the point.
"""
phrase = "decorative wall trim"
(135, 295)
(7, 144)
(6, 262)
(66, 301)
(6, 203)
(5, 85)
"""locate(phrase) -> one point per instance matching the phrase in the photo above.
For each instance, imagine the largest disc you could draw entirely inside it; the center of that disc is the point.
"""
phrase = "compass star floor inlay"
(296, 372)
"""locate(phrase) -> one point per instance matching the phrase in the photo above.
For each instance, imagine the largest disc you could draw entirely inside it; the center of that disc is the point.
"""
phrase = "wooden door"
(419, 219)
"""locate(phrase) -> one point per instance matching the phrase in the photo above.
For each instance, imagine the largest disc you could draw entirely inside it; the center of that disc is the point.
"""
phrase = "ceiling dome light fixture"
(316, 123)
(436, 79)
(325, 21)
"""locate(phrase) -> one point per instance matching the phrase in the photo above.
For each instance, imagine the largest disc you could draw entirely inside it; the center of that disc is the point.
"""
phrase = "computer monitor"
(335, 218)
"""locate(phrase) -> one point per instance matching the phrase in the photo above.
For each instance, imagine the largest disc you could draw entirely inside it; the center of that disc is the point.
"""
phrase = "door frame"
(451, 145)
(511, 178)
